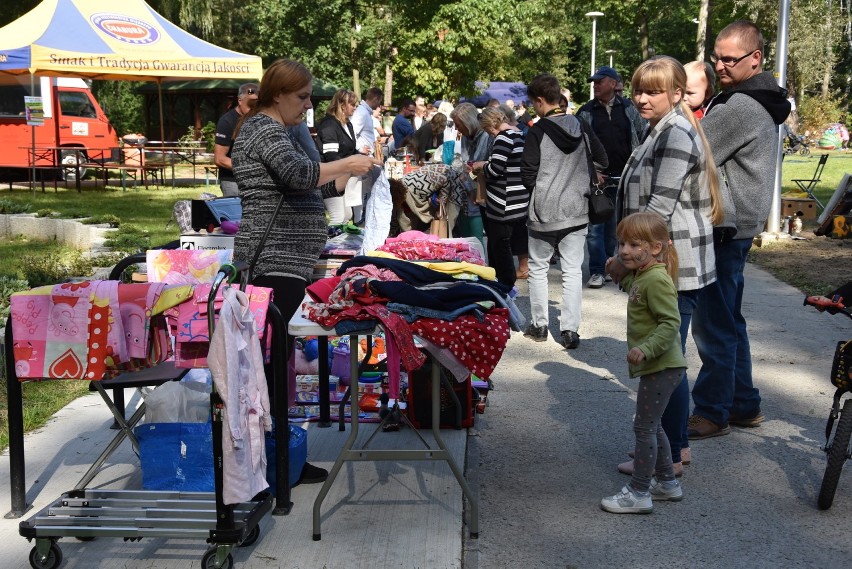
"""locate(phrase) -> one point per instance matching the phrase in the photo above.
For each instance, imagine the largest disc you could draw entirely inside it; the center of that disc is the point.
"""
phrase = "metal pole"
(774, 222)
(594, 16)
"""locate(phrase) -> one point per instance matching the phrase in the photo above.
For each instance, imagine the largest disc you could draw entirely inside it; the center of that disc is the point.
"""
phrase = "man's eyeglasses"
(728, 61)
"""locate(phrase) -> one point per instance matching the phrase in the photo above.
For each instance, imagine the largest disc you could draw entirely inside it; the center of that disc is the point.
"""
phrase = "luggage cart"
(86, 514)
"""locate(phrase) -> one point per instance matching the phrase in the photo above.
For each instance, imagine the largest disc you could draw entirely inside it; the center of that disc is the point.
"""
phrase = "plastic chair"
(808, 185)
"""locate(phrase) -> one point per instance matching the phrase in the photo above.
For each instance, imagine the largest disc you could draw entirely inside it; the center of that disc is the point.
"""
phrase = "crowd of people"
(690, 172)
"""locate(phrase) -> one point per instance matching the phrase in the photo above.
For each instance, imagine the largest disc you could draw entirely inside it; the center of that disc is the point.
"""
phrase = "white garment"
(378, 216)
(362, 123)
(236, 363)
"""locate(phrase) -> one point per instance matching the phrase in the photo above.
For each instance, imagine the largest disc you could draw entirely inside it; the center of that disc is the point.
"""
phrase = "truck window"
(12, 100)
(76, 104)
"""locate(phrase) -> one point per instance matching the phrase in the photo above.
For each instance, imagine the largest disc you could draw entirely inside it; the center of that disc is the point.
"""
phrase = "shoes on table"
(537, 333)
(670, 491)
(627, 468)
(312, 475)
(628, 501)
(699, 427)
(685, 455)
(570, 339)
(596, 281)
(747, 422)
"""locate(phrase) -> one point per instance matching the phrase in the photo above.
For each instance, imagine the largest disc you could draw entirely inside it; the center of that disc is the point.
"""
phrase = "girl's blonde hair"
(340, 98)
(492, 117)
(664, 73)
(650, 227)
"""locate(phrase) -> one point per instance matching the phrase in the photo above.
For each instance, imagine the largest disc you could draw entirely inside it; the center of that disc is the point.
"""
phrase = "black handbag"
(601, 206)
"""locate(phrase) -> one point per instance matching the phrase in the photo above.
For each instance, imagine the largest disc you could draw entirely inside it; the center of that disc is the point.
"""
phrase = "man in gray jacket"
(555, 170)
(741, 124)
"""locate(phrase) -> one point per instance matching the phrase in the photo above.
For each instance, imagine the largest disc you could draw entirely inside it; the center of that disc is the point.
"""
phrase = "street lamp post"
(611, 52)
(594, 16)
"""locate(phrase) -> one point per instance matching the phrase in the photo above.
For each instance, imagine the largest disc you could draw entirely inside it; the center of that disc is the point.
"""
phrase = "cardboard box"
(204, 240)
(793, 206)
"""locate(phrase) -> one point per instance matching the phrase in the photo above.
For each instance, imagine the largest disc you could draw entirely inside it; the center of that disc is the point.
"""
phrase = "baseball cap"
(605, 71)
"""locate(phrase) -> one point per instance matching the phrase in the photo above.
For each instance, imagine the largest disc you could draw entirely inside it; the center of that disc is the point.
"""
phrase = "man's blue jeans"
(724, 385)
(676, 413)
(601, 240)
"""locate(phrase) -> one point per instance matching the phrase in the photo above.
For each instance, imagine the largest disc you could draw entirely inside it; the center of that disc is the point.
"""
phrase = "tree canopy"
(439, 49)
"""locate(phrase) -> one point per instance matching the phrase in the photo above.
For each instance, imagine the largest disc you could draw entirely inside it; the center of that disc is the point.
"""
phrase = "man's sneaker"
(698, 427)
(628, 502)
(608, 278)
(570, 339)
(596, 281)
(537, 333)
(670, 491)
(749, 422)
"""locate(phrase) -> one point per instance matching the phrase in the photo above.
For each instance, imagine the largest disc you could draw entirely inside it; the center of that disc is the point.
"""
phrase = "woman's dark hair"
(283, 76)
(545, 86)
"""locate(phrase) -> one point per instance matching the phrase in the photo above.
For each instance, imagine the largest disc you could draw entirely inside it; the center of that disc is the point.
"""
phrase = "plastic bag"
(177, 402)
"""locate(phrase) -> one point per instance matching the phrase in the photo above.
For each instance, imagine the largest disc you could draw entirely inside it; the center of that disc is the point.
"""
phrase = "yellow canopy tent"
(104, 39)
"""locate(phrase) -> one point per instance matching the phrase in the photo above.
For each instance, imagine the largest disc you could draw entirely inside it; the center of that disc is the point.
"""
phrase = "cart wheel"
(52, 561)
(837, 455)
(805, 151)
(209, 560)
(251, 537)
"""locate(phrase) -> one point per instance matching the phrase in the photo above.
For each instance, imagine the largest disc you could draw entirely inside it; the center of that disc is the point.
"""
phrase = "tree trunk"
(643, 35)
(701, 36)
(388, 84)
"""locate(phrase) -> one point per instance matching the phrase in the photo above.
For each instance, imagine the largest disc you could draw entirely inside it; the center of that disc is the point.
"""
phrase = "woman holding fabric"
(507, 199)
(336, 140)
(673, 174)
(282, 192)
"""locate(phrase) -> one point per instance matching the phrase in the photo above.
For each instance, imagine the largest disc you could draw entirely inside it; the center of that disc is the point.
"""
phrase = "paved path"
(541, 457)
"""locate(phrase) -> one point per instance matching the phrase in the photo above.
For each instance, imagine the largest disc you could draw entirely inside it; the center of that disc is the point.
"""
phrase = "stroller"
(796, 143)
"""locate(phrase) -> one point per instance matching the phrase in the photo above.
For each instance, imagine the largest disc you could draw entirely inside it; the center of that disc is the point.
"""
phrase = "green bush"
(45, 213)
(106, 218)
(54, 267)
(8, 286)
(10, 206)
(129, 239)
(816, 113)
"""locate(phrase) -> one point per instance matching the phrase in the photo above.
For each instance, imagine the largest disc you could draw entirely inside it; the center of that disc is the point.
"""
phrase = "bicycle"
(837, 447)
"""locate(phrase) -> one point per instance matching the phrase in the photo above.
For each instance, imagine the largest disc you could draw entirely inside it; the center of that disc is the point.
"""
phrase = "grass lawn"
(803, 167)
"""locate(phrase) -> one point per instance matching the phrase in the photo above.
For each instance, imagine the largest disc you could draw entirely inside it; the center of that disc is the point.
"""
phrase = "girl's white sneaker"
(628, 502)
(670, 491)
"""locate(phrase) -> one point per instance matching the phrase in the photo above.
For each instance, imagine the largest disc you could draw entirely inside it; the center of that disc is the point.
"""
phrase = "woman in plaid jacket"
(673, 174)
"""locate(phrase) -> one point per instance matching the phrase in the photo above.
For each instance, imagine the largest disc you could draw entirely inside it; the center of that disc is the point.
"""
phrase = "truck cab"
(75, 126)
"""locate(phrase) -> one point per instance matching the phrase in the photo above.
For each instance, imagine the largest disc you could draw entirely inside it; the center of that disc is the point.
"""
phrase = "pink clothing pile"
(88, 330)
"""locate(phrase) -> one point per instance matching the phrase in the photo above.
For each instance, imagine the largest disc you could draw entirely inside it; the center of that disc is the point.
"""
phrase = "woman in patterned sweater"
(269, 165)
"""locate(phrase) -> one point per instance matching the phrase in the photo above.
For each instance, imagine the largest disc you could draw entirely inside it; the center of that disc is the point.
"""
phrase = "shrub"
(45, 213)
(107, 218)
(816, 113)
(129, 239)
(10, 206)
(8, 286)
(54, 267)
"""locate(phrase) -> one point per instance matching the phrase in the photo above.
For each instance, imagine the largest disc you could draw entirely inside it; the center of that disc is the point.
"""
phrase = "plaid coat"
(666, 174)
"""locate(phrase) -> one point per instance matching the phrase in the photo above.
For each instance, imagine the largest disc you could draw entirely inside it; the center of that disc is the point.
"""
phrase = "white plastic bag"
(177, 402)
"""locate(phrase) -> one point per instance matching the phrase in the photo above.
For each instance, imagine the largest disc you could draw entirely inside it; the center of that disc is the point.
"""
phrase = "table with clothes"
(415, 286)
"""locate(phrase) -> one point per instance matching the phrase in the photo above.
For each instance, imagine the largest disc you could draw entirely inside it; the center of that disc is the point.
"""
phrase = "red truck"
(75, 127)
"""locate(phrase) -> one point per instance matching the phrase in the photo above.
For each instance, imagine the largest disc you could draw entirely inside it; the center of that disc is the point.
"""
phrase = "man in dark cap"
(618, 126)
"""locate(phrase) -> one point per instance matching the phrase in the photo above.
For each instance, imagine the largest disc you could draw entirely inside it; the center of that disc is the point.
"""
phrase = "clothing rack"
(133, 514)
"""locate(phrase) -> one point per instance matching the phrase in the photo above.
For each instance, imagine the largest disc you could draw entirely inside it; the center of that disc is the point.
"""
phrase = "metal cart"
(133, 514)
